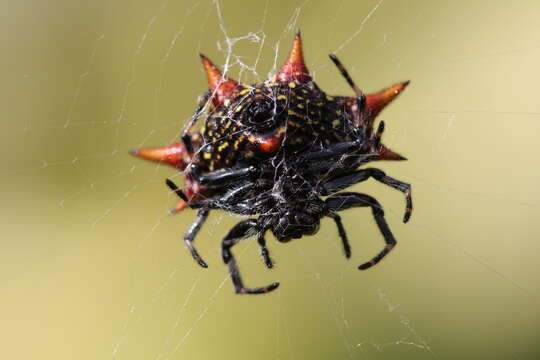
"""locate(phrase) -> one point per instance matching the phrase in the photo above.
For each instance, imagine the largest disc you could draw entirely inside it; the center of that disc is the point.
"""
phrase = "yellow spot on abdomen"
(222, 146)
(294, 113)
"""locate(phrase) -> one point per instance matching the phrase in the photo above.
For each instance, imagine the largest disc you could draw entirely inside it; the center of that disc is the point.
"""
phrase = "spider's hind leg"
(190, 235)
(343, 201)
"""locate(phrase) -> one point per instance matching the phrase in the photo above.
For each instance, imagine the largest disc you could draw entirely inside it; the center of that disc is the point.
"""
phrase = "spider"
(273, 151)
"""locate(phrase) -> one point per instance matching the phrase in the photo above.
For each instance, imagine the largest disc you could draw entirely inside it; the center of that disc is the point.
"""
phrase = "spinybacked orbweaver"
(272, 151)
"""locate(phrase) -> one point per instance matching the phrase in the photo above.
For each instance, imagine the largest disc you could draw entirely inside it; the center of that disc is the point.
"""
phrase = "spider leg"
(343, 201)
(360, 97)
(329, 159)
(241, 231)
(344, 148)
(221, 177)
(378, 135)
(236, 201)
(189, 237)
(241, 208)
(342, 234)
(237, 194)
(335, 165)
(333, 151)
(264, 250)
(230, 201)
(176, 190)
(230, 198)
(343, 181)
(346, 75)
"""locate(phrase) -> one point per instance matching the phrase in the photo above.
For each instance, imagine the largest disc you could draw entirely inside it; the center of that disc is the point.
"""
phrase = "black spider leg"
(361, 98)
(343, 201)
(241, 231)
(333, 165)
(221, 177)
(176, 190)
(346, 75)
(264, 250)
(232, 201)
(190, 235)
(342, 234)
(378, 135)
(326, 160)
(235, 201)
(333, 151)
(344, 181)
(230, 198)
(227, 201)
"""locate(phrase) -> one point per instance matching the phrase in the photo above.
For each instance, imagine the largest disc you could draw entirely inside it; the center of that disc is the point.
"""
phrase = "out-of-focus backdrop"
(92, 267)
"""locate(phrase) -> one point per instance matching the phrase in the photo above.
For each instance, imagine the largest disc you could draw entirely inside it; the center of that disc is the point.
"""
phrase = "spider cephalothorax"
(274, 150)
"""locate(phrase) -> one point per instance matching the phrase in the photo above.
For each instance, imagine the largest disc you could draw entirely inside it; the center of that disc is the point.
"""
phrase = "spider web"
(94, 267)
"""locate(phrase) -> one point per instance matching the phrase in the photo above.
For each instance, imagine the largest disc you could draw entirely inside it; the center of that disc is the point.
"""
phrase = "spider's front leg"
(233, 201)
(190, 235)
(222, 177)
(241, 231)
(343, 201)
(216, 178)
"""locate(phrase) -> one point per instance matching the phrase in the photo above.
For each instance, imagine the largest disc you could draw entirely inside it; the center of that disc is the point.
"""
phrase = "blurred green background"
(92, 267)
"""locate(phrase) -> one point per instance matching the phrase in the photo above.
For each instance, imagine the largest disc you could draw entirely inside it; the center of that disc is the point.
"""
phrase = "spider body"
(281, 151)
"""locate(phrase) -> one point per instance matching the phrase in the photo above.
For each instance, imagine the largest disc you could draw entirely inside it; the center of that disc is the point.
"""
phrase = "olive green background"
(92, 267)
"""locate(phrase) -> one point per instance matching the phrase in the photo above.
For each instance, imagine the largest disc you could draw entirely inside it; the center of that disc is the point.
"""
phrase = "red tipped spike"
(175, 155)
(378, 101)
(223, 87)
(215, 77)
(180, 205)
(294, 68)
(384, 153)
